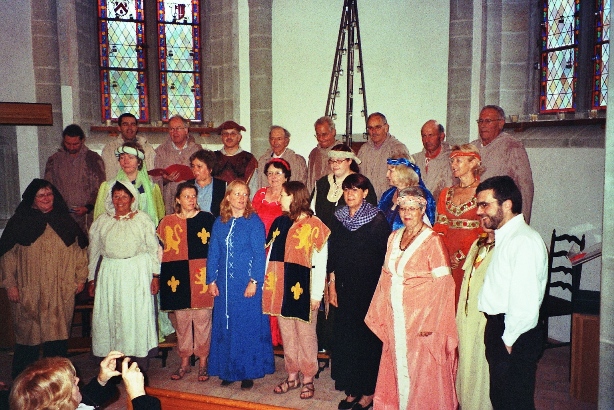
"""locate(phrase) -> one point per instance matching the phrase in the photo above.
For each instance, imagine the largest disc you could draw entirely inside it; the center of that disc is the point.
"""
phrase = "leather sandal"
(308, 391)
(286, 386)
(180, 372)
(203, 376)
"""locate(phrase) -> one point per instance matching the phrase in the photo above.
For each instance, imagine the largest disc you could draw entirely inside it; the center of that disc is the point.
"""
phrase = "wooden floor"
(552, 390)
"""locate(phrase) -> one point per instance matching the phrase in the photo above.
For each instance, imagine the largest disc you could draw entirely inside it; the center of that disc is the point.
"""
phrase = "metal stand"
(349, 25)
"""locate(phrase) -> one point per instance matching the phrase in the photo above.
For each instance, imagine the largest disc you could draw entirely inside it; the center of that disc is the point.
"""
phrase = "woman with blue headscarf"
(402, 173)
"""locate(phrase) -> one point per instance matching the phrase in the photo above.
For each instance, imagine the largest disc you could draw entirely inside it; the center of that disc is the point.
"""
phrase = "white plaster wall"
(405, 56)
(17, 79)
(569, 198)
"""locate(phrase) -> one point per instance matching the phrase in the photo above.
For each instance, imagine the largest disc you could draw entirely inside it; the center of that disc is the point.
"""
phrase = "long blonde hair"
(226, 210)
(45, 384)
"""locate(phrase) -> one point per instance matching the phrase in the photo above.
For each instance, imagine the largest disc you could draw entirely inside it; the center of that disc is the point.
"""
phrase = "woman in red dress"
(457, 218)
(267, 205)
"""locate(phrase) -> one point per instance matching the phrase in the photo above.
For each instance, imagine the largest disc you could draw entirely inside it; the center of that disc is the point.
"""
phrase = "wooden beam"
(25, 114)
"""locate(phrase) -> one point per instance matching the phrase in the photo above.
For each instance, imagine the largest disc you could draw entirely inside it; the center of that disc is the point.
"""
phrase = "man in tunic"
(503, 154)
(77, 173)
(511, 295)
(279, 138)
(43, 264)
(318, 157)
(380, 146)
(433, 160)
(232, 162)
(128, 127)
(176, 150)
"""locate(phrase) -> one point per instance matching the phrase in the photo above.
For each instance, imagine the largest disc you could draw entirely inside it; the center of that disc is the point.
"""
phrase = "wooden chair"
(555, 305)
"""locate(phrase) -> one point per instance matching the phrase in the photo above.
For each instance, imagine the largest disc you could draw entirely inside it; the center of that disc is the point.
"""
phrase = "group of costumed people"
(242, 276)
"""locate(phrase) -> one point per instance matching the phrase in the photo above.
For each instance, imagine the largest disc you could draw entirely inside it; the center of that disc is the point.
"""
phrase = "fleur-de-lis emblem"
(204, 236)
(297, 291)
(173, 283)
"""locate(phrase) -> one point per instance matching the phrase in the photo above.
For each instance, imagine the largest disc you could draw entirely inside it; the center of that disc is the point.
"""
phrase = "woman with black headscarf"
(43, 260)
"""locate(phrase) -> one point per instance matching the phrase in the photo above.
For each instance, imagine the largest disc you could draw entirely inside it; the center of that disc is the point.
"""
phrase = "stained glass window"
(560, 28)
(179, 58)
(602, 54)
(122, 58)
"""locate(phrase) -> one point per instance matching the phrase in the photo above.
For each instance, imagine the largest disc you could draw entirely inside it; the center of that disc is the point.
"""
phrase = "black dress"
(356, 257)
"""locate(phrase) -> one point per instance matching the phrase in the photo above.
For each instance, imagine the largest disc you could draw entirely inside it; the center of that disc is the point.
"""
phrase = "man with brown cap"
(232, 162)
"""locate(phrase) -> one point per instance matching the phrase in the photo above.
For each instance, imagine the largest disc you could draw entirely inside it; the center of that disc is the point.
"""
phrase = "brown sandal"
(308, 391)
(179, 373)
(203, 376)
(286, 386)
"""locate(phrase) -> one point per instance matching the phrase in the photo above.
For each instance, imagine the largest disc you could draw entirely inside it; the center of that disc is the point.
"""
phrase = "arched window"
(574, 51)
(124, 59)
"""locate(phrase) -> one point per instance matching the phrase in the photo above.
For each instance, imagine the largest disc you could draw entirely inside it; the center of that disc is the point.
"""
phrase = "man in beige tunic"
(77, 173)
(176, 150)
(318, 157)
(379, 147)
(433, 160)
(43, 262)
(128, 127)
(279, 139)
(504, 154)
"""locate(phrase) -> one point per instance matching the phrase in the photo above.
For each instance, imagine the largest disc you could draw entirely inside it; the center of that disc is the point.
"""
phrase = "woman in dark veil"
(43, 262)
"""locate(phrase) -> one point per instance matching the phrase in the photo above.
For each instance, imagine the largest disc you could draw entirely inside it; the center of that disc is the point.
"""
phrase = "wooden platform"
(175, 400)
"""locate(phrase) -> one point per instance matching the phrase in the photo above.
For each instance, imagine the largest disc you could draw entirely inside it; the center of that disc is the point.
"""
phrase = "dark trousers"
(512, 376)
(25, 355)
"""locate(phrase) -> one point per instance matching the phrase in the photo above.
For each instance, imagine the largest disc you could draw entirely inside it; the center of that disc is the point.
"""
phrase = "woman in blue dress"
(241, 347)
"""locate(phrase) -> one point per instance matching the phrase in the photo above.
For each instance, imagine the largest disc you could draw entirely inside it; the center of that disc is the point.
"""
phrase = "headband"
(280, 161)
(407, 199)
(129, 150)
(459, 153)
(344, 155)
(403, 161)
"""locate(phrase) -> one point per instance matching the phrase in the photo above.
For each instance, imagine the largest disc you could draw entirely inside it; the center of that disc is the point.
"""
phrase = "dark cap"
(230, 125)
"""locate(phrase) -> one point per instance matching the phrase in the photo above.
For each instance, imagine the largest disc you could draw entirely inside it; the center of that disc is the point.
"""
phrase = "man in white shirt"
(512, 294)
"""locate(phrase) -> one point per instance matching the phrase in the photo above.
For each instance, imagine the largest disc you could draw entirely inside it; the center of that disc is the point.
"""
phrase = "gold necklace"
(411, 239)
(460, 185)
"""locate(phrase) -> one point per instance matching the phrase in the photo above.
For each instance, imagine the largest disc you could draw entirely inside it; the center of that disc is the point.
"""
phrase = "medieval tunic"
(356, 257)
(240, 337)
(374, 158)
(183, 279)
(298, 166)
(124, 317)
(506, 155)
(436, 172)
(242, 165)
(415, 294)
(295, 275)
(78, 179)
(46, 273)
(267, 211)
(44, 255)
(168, 154)
(459, 226)
(473, 379)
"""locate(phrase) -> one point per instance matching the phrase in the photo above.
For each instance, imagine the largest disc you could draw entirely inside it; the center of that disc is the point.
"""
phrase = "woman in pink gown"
(412, 312)
(457, 219)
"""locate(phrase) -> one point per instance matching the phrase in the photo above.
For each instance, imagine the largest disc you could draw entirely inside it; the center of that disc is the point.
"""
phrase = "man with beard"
(77, 172)
(512, 294)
